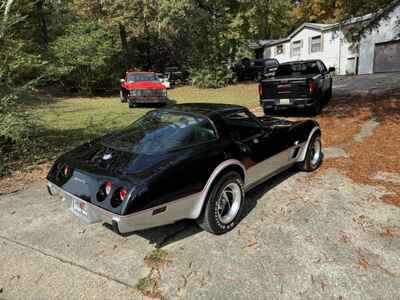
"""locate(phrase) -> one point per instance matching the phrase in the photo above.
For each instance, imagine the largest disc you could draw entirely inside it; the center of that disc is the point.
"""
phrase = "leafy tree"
(82, 55)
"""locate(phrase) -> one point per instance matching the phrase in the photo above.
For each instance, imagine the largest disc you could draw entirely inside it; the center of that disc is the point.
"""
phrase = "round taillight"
(122, 193)
(67, 170)
(107, 187)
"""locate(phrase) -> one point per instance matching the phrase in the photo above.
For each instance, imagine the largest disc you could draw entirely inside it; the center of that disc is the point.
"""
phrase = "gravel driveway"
(304, 236)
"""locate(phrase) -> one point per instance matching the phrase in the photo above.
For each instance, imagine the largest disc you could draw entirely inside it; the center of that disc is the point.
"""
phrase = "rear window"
(132, 77)
(297, 69)
(162, 131)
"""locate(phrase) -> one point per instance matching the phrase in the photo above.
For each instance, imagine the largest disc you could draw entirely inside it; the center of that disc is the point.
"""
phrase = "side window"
(242, 126)
(322, 67)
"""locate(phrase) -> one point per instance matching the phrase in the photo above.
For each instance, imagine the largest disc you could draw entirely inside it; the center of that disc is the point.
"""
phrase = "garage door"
(387, 57)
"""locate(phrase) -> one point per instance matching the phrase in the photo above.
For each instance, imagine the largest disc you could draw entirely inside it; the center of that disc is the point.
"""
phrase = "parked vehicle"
(188, 161)
(298, 84)
(165, 81)
(255, 69)
(142, 87)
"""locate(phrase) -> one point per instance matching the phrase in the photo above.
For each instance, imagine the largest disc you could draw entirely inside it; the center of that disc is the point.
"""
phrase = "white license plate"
(79, 207)
(284, 101)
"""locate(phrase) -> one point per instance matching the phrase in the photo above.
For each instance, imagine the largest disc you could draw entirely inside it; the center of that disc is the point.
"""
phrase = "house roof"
(370, 20)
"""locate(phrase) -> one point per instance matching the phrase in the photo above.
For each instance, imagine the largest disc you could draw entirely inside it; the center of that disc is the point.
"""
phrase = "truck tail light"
(312, 86)
(260, 91)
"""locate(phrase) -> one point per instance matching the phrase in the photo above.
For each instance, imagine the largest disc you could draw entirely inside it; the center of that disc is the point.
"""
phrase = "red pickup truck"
(141, 88)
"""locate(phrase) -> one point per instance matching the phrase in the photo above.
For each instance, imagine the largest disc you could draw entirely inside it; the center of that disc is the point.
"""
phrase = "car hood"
(143, 85)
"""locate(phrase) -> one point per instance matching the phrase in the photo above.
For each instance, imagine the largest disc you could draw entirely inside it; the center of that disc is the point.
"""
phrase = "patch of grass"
(149, 287)
(157, 259)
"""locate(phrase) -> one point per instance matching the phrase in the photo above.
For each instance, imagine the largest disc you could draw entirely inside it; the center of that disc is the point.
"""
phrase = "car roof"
(206, 108)
(300, 61)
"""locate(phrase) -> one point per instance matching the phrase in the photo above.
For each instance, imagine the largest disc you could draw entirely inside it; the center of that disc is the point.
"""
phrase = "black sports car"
(188, 161)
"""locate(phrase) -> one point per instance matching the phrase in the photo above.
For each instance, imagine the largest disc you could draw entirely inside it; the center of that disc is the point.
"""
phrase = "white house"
(328, 43)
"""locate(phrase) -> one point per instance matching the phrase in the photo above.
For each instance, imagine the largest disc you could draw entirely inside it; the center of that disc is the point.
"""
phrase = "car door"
(261, 150)
(326, 77)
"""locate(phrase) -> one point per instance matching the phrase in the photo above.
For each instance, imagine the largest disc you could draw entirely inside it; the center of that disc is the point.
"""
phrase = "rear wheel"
(224, 205)
(317, 107)
(268, 111)
(122, 96)
(314, 155)
(328, 95)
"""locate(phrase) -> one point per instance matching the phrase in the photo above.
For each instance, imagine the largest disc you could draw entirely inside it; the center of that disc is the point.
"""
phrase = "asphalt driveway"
(304, 236)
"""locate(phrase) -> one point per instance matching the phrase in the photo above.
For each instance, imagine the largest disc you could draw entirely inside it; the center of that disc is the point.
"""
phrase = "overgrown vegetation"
(216, 77)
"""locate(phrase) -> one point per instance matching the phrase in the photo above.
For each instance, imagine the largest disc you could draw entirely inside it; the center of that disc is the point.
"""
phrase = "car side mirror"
(332, 70)
(122, 80)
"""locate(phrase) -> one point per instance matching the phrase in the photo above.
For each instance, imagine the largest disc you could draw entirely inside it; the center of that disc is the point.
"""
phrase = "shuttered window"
(296, 48)
(316, 44)
(279, 49)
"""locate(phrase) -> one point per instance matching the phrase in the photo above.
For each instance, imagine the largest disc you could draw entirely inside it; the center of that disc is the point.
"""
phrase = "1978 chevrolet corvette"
(188, 161)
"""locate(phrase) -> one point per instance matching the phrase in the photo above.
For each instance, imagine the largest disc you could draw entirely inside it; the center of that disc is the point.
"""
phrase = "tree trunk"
(42, 22)
(6, 14)
(266, 25)
(124, 42)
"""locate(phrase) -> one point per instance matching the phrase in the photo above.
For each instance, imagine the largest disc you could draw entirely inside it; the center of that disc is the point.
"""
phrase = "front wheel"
(224, 205)
(314, 156)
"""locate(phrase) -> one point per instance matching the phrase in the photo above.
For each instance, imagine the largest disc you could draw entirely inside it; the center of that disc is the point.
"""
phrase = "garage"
(387, 57)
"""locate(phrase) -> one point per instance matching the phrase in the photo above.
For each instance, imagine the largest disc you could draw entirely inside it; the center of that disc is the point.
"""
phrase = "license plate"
(284, 101)
(79, 207)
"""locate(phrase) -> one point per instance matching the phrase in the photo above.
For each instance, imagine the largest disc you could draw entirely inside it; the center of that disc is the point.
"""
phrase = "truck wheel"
(268, 111)
(314, 155)
(317, 107)
(224, 204)
(122, 96)
(328, 95)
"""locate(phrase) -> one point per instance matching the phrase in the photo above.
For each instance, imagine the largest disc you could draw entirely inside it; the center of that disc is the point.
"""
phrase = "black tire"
(317, 107)
(212, 216)
(268, 111)
(122, 96)
(313, 160)
(328, 95)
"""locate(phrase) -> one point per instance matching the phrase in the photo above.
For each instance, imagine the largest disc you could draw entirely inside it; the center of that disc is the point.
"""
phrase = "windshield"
(297, 69)
(162, 131)
(132, 77)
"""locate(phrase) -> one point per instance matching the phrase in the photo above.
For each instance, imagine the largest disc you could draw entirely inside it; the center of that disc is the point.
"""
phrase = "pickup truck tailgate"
(279, 89)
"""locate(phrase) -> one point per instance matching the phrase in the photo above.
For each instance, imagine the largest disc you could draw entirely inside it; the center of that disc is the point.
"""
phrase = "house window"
(316, 45)
(279, 49)
(296, 48)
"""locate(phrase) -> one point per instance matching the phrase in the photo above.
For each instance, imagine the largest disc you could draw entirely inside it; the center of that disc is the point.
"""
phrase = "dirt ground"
(332, 234)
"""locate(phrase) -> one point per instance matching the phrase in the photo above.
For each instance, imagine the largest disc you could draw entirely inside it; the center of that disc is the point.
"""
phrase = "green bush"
(215, 77)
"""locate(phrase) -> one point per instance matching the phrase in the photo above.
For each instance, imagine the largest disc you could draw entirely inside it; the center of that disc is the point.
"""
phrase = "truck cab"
(142, 88)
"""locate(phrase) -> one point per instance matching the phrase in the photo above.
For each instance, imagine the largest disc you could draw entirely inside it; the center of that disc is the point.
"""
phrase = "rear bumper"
(135, 99)
(293, 103)
(153, 217)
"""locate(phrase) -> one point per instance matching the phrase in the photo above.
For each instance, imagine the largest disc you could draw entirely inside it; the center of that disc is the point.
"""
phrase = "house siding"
(388, 30)
(332, 41)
